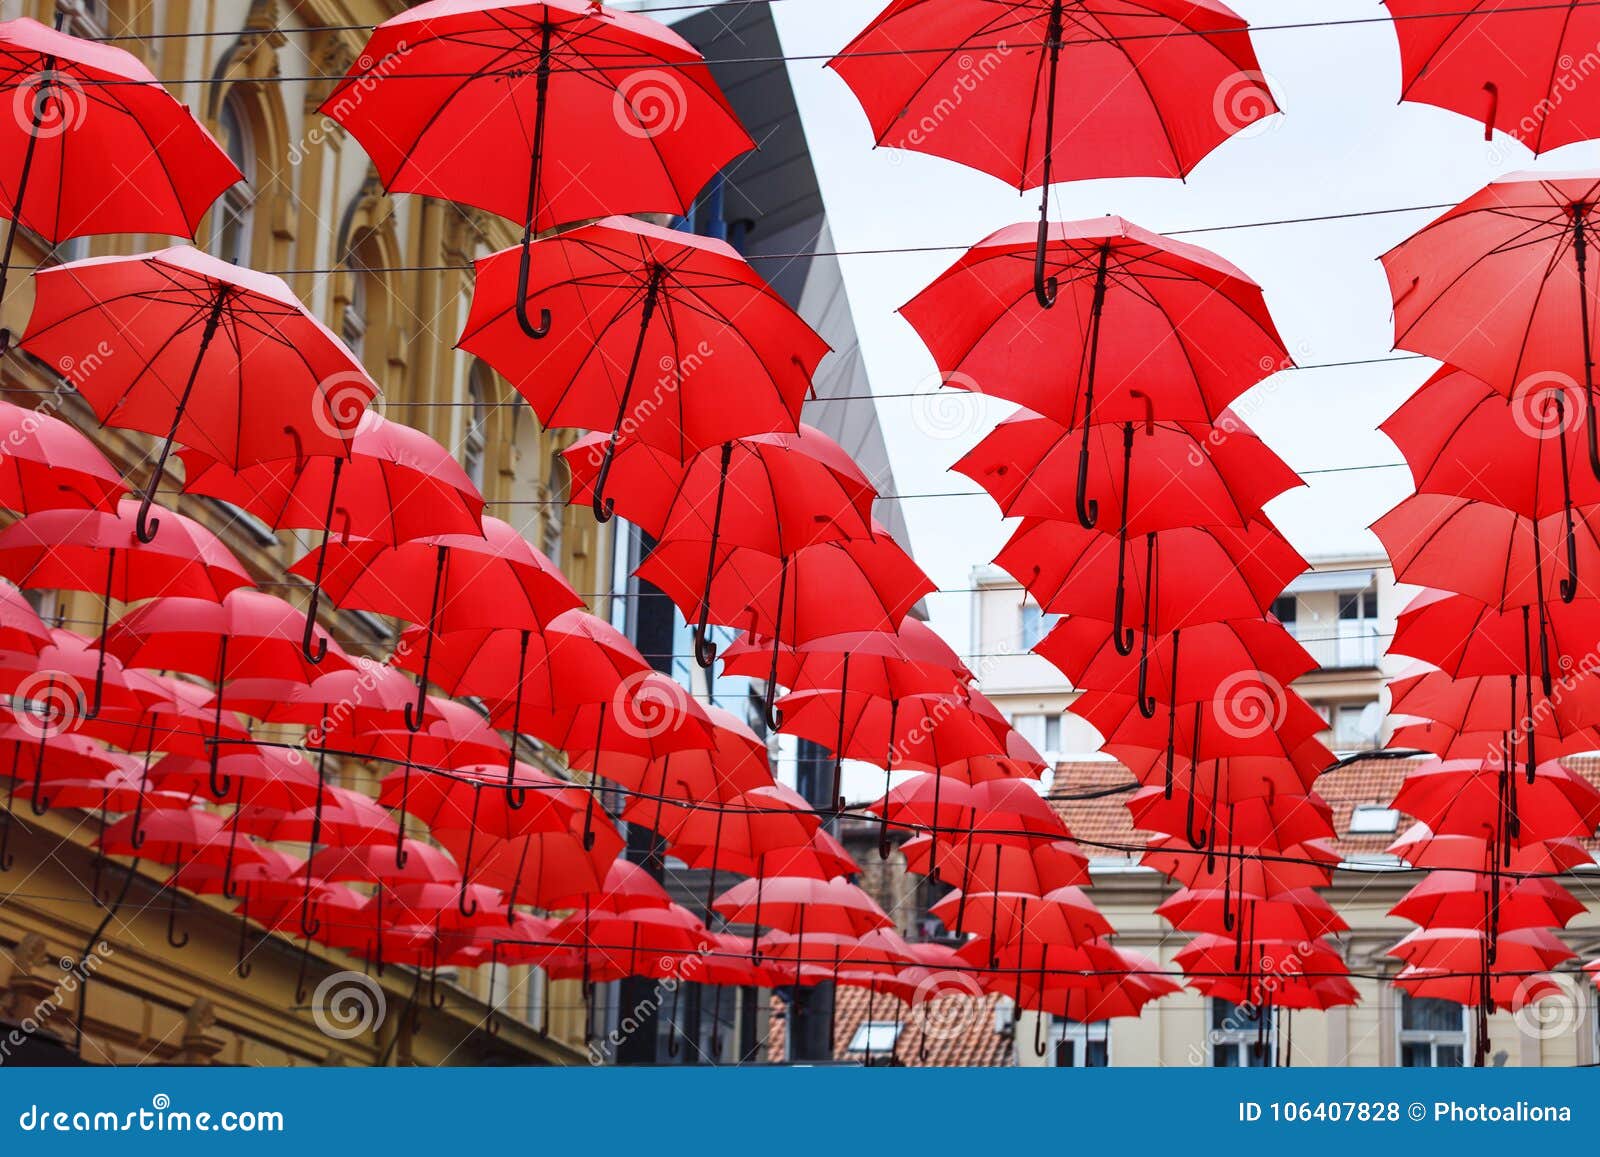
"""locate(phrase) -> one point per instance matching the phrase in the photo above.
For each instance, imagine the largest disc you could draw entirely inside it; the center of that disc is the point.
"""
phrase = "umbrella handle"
(172, 926)
(6, 858)
(1041, 1046)
(705, 651)
(415, 712)
(515, 796)
(524, 323)
(1045, 288)
(541, 90)
(1088, 508)
(315, 654)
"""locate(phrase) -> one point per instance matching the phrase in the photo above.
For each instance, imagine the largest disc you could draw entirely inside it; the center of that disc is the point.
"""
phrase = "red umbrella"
(1419, 846)
(1473, 798)
(1246, 869)
(1470, 899)
(1466, 637)
(576, 658)
(21, 629)
(1461, 950)
(1181, 577)
(910, 660)
(770, 492)
(447, 582)
(1146, 475)
(1105, 90)
(1062, 916)
(394, 484)
(1176, 668)
(440, 91)
(93, 550)
(50, 465)
(1036, 867)
(1500, 287)
(540, 867)
(179, 837)
(818, 855)
(195, 636)
(627, 887)
(733, 358)
(801, 904)
(1159, 326)
(164, 311)
(1489, 704)
(1270, 822)
(859, 584)
(1295, 914)
(1506, 63)
(96, 145)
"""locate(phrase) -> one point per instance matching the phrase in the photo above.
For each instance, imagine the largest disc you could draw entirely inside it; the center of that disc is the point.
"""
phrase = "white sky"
(1345, 144)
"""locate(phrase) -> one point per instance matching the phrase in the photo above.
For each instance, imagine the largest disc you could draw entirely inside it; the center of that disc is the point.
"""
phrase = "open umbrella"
(1160, 327)
(96, 145)
(394, 484)
(1103, 89)
(445, 582)
(278, 384)
(50, 465)
(94, 550)
(545, 113)
(732, 357)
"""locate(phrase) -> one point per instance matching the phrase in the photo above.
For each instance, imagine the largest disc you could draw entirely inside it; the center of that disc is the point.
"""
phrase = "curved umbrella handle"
(1045, 288)
(6, 857)
(1041, 1044)
(1088, 508)
(524, 323)
(172, 925)
(705, 650)
(415, 712)
(604, 507)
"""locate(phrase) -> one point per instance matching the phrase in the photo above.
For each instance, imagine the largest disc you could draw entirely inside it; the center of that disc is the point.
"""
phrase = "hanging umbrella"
(1468, 899)
(394, 484)
(576, 658)
(50, 465)
(1506, 63)
(1500, 287)
(1294, 914)
(1270, 822)
(1174, 579)
(21, 629)
(1061, 916)
(446, 582)
(910, 660)
(1061, 90)
(1247, 869)
(1472, 798)
(1143, 474)
(1486, 704)
(818, 855)
(96, 145)
(770, 492)
(159, 314)
(1038, 866)
(733, 359)
(626, 888)
(94, 550)
(537, 868)
(440, 91)
(248, 634)
(179, 838)
(1159, 327)
(859, 584)
(1419, 846)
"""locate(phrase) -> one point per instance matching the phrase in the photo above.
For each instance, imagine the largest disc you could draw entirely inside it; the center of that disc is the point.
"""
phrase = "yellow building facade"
(392, 276)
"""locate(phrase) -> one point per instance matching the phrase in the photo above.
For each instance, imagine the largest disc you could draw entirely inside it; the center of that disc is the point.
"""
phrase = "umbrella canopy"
(159, 316)
(50, 465)
(544, 113)
(1157, 327)
(1505, 63)
(1467, 899)
(1102, 90)
(96, 145)
(1471, 798)
(728, 356)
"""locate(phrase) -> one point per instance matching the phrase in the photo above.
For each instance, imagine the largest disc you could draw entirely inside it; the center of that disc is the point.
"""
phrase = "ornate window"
(234, 215)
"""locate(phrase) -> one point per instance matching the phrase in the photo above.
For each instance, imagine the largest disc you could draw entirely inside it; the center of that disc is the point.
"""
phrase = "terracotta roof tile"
(959, 1036)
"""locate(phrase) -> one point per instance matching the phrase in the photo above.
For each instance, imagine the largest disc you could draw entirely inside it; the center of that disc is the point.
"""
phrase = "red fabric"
(1138, 93)
(442, 101)
(114, 151)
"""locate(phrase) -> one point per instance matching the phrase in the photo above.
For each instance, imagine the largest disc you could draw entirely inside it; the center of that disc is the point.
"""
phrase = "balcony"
(1348, 645)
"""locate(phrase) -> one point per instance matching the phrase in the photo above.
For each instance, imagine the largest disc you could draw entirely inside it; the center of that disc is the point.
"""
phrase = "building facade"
(392, 276)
